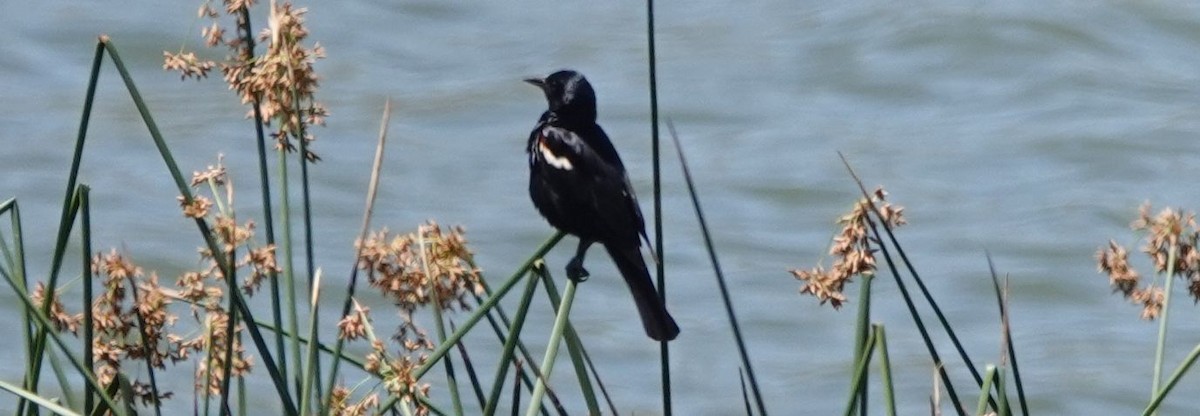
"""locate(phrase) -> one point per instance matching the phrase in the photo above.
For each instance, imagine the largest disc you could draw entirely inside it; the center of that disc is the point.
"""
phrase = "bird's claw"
(576, 272)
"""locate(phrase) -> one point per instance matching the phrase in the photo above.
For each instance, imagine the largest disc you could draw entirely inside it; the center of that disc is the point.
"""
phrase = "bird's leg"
(575, 270)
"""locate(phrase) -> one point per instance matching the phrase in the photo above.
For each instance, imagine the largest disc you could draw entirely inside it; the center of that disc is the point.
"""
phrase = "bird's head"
(569, 95)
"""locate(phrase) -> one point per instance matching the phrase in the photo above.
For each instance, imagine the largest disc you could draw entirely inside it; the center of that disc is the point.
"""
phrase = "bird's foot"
(575, 271)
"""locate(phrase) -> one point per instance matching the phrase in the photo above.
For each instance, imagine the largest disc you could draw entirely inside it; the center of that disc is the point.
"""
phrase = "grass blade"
(712, 255)
(1002, 301)
(352, 282)
(745, 393)
(908, 302)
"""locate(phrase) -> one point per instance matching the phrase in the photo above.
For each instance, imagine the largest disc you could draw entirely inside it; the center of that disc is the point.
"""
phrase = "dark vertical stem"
(88, 330)
(265, 185)
(516, 394)
(306, 203)
(664, 349)
(231, 284)
(148, 348)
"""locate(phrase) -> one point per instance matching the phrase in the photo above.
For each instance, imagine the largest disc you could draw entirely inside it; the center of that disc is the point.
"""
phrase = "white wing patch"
(552, 159)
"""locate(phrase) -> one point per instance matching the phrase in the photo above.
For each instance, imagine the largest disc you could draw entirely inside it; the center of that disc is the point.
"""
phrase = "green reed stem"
(1002, 392)
(16, 263)
(501, 321)
(311, 376)
(510, 345)
(1160, 347)
(516, 393)
(479, 313)
(29, 396)
(860, 374)
(556, 334)
(716, 264)
(86, 270)
(34, 368)
(70, 211)
(306, 206)
(491, 302)
(1172, 381)
(862, 328)
(289, 275)
(64, 382)
(659, 266)
(574, 348)
(885, 370)
(985, 391)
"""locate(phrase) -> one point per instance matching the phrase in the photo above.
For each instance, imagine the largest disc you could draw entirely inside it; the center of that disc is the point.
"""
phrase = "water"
(1028, 130)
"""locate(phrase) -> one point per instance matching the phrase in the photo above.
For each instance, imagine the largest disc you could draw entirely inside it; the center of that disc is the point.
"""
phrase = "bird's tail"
(657, 321)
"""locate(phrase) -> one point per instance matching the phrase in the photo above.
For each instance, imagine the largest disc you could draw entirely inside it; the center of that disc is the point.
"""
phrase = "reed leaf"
(716, 265)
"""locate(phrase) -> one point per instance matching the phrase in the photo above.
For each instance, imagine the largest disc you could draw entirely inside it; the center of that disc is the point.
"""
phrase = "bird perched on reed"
(577, 181)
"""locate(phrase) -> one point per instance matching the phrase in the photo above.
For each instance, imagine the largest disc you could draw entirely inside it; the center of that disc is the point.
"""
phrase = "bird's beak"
(537, 82)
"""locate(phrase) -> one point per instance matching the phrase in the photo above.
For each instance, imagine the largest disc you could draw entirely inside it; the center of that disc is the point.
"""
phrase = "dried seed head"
(851, 250)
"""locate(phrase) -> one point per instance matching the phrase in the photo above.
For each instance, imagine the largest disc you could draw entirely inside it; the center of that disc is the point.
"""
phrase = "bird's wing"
(592, 181)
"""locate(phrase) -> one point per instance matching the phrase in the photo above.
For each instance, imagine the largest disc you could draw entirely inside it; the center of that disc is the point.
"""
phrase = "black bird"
(577, 181)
